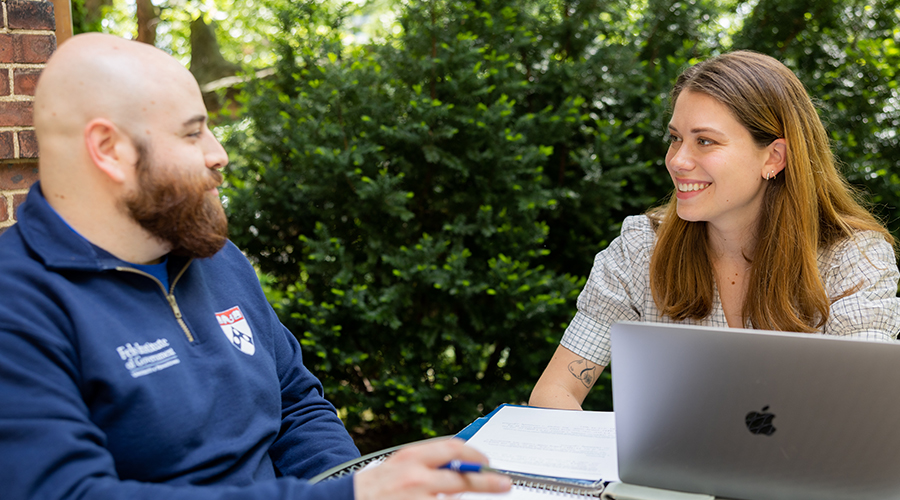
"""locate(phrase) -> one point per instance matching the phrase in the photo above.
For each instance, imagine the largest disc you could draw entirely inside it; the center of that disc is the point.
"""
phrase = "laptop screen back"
(748, 414)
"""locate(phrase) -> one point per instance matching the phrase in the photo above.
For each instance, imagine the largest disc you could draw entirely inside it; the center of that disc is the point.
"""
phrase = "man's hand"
(412, 474)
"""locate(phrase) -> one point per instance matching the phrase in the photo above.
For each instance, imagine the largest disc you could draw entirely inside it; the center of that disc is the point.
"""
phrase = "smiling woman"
(761, 231)
(717, 167)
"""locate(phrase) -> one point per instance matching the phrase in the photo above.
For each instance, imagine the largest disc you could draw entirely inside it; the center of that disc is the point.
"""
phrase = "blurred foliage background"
(423, 184)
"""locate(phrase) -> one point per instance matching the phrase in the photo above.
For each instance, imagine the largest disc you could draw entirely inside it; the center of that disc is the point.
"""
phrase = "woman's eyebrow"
(699, 130)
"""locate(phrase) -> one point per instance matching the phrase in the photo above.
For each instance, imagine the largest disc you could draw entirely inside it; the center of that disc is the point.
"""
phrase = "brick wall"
(27, 38)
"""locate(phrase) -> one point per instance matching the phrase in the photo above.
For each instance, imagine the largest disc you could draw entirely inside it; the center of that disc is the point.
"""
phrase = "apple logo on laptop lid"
(760, 422)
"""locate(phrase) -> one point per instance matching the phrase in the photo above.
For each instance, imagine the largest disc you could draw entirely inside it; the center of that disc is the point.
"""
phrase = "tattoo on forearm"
(583, 370)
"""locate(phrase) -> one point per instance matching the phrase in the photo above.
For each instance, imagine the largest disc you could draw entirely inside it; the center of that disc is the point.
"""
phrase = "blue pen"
(460, 466)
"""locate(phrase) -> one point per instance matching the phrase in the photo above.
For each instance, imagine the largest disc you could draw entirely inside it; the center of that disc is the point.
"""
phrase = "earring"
(768, 174)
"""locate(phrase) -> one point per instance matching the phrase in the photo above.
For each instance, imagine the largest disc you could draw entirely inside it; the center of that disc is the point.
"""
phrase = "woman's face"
(718, 170)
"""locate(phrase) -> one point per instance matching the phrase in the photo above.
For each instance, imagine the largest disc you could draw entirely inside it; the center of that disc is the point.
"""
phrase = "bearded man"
(139, 358)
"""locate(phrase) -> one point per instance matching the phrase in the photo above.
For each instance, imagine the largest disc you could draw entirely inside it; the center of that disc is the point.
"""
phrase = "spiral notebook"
(567, 454)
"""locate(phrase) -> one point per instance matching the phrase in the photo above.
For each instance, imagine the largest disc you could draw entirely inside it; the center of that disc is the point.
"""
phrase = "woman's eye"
(705, 142)
(672, 138)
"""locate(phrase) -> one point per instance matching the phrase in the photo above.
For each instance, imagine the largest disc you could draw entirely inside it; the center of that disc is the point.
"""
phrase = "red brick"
(30, 15)
(16, 114)
(7, 150)
(18, 175)
(4, 81)
(7, 51)
(34, 48)
(4, 212)
(18, 199)
(22, 48)
(25, 79)
(28, 146)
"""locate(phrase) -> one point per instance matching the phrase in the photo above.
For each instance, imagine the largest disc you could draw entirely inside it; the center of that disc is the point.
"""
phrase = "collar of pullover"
(57, 244)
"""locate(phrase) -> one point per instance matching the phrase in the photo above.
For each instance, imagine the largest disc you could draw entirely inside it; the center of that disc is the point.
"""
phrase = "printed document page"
(546, 442)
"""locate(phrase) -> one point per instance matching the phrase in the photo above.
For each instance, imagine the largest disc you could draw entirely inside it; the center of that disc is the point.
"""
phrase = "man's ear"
(110, 148)
(777, 157)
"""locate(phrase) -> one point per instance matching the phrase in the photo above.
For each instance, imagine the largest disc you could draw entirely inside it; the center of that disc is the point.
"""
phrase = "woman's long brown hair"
(808, 206)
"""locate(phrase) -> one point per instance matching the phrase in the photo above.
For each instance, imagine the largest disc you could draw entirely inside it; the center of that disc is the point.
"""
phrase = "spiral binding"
(357, 466)
(562, 489)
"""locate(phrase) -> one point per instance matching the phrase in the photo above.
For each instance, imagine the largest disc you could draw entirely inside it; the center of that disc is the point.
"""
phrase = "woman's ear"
(777, 158)
(110, 149)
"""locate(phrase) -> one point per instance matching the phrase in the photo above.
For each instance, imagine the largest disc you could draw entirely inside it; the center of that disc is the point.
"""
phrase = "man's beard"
(178, 208)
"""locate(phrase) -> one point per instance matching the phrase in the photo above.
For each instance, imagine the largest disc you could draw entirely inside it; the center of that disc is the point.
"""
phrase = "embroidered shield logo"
(236, 328)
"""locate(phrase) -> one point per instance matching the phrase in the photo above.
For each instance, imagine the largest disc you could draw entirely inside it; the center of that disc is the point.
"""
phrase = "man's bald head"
(127, 157)
(102, 76)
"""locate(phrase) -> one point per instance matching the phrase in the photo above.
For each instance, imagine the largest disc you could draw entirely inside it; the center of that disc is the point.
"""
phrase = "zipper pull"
(175, 309)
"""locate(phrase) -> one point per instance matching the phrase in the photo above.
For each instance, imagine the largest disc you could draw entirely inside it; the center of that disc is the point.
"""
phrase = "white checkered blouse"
(618, 289)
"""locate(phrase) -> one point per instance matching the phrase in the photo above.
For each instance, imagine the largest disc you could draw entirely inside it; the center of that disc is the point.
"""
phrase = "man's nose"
(216, 157)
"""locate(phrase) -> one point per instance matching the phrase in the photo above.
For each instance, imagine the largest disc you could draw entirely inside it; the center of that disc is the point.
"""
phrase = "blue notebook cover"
(479, 422)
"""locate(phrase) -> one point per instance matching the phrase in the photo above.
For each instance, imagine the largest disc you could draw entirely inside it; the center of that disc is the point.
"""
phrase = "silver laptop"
(748, 414)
